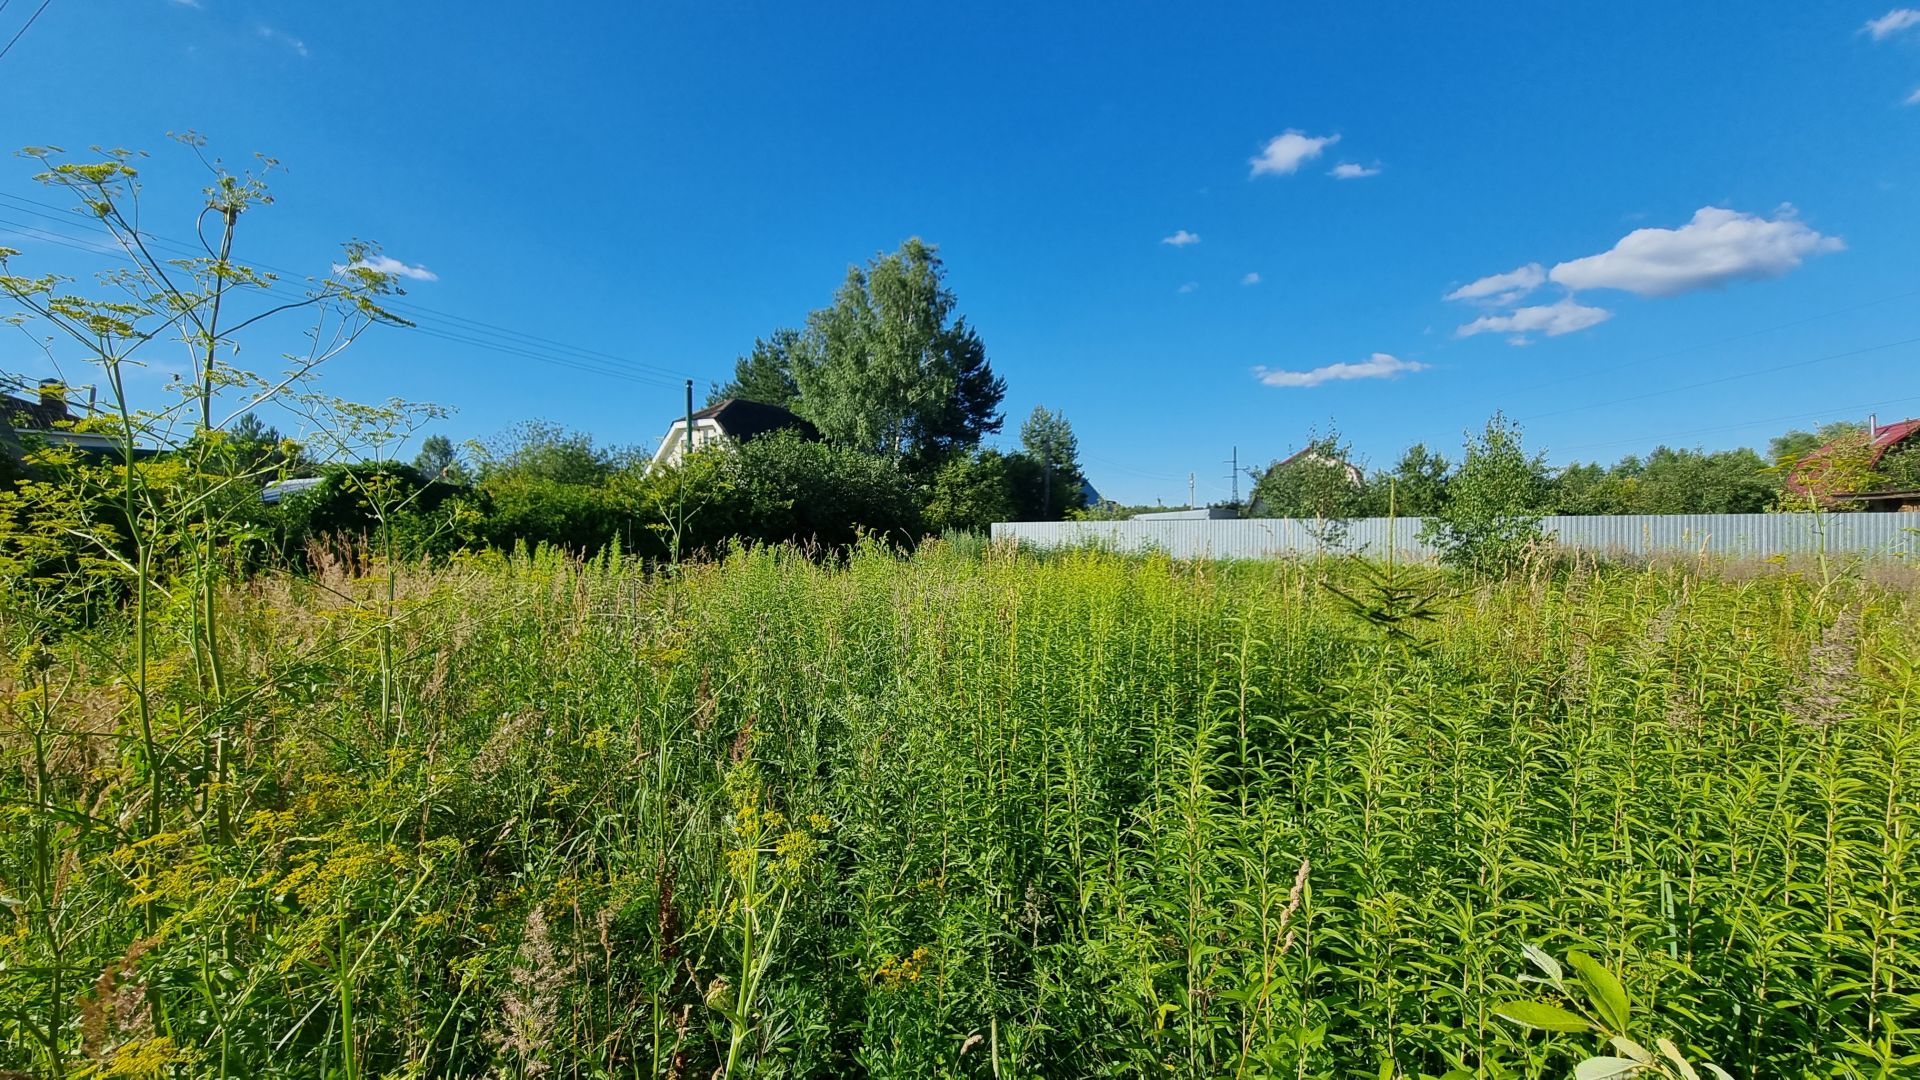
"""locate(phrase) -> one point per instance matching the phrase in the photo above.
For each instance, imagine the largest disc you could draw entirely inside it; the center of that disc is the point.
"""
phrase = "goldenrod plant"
(1595, 1003)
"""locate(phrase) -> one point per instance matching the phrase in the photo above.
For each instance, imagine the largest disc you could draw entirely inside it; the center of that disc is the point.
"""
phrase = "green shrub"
(790, 488)
(1491, 519)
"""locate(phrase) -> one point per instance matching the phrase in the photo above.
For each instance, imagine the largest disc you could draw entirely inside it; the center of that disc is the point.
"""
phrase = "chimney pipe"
(53, 397)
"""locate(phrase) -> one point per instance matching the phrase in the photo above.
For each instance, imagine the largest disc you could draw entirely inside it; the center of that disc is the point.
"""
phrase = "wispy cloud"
(1252, 278)
(1913, 98)
(1561, 317)
(1285, 153)
(281, 37)
(1191, 286)
(1892, 23)
(1347, 170)
(1181, 238)
(1378, 366)
(383, 264)
(1718, 246)
(1502, 289)
(187, 3)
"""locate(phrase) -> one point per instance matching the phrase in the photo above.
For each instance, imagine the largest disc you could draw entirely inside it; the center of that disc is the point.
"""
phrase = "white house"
(732, 420)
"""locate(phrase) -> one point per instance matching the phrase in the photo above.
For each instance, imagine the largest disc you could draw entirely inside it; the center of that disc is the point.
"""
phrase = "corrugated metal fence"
(1723, 535)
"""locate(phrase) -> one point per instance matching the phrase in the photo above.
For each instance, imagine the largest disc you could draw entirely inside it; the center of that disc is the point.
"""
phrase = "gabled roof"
(34, 415)
(1310, 454)
(741, 419)
(1807, 476)
(1888, 436)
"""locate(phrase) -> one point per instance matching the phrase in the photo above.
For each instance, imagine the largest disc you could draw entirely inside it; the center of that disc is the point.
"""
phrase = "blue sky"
(658, 184)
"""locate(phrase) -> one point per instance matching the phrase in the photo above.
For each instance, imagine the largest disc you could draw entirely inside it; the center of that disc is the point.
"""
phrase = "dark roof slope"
(36, 415)
(743, 420)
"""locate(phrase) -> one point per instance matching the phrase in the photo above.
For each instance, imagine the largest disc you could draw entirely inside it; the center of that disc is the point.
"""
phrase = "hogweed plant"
(155, 523)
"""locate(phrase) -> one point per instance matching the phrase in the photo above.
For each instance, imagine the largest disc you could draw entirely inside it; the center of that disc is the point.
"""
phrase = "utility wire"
(1696, 347)
(496, 339)
(640, 369)
(507, 349)
(1723, 379)
(23, 30)
(1658, 440)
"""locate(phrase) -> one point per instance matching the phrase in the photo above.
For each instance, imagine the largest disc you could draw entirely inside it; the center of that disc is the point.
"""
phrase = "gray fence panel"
(1720, 535)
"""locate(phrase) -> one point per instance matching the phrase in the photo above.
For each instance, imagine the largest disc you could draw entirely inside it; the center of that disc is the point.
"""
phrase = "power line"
(1111, 464)
(495, 339)
(23, 30)
(1660, 439)
(1723, 379)
(1696, 347)
(640, 369)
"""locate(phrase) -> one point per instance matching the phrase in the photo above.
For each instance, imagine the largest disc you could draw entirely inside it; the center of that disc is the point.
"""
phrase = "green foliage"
(1420, 480)
(1495, 502)
(766, 373)
(891, 369)
(540, 450)
(349, 504)
(440, 460)
(772, 489)
(790, 488)
(958, 812)
(1669, 482)
(1048, 484)
(1899, 467)
(1318, 484)
(1394, 598)
(1108, 510)
(1797, 444)
(971, 492)
(1816, 480)
(1596, 1004)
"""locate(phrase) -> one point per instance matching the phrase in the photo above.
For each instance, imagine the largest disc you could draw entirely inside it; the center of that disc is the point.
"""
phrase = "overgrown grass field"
(956, 814)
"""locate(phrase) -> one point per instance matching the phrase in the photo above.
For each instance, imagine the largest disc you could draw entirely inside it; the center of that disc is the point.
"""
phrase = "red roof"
(1885, 437)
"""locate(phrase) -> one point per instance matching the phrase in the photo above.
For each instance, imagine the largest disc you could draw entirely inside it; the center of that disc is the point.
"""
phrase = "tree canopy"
(1318, 483)
(765, 374)
(890, 368)
(1052, 452)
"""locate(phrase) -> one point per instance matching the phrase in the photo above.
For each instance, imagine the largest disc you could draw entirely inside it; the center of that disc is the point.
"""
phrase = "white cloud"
(1285, 153)
(1913, 98)
(1561, 317)
(188, 3)
(383, 264)
(1716, 247)
(1252, 278)
(281, 37)
(1892, 23)
(1347, 170)
(1378, 366)
(1181, 238)
(1191, 286)
(1502, 289)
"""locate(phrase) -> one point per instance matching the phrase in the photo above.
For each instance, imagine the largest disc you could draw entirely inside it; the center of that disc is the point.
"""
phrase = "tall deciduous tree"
(890, 368)
(1798, 444)
(766, 373)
